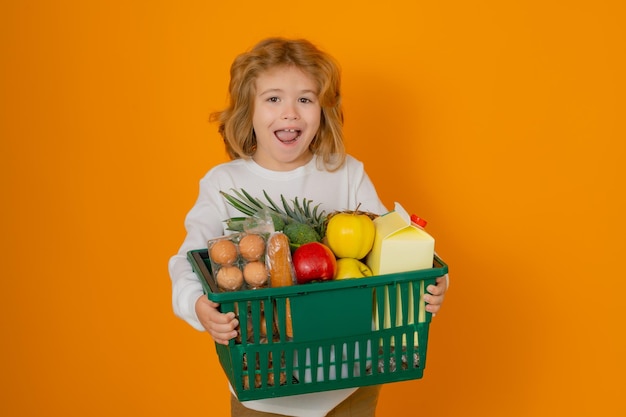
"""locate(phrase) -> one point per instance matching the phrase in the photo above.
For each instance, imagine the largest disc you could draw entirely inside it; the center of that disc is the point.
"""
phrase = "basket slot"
(349, 359)
(392, 300)
(396, 354)
(249, 365)
(403, 293)
(268, 316)
(334, 367)
(313, 354)
(365, 357)
(313, 367)
(300, 368)
(422, 340)
(241, 311)
(386, 306)
(281, 320)
(326, 357)
(379, 308)
(376, 356)
(255, 310)
(413, 352)
(283, 370)
(384, 366)
(290, 369)
(419, 314)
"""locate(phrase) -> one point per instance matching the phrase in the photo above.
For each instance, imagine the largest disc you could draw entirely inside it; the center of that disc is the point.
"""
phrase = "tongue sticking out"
(287, 135)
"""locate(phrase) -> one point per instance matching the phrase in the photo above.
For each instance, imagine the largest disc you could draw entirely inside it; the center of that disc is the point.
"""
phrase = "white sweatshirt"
(343, 189)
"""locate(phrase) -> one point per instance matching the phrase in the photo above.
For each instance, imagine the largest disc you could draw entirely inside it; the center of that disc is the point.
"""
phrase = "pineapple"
(301, 222)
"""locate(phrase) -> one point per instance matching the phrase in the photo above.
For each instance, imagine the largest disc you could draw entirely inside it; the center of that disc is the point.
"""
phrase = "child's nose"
(290, 112)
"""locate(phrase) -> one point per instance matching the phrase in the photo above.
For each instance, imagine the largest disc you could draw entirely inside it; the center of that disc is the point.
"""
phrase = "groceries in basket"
(288, 272)
(362, 243)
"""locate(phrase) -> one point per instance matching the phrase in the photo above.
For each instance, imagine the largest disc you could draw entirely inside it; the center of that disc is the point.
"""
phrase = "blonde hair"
(235, 122)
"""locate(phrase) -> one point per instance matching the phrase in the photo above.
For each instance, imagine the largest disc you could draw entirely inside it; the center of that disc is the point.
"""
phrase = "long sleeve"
(204, 221)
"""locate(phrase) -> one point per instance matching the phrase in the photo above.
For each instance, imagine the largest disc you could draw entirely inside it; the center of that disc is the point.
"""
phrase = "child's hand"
(436, 294)
(221, 327)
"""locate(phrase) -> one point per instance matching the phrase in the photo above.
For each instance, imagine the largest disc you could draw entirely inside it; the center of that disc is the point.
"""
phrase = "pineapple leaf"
(272, 204)
(295, 211)
(238, 204)
(315, 215)
(307, 208)
(253, 200)
(288, 210)
(301, 213)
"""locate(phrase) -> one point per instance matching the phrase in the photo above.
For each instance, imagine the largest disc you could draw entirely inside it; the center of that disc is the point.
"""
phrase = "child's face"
(286, 118)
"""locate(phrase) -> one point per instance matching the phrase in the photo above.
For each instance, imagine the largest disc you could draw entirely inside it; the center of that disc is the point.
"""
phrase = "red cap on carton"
(418, 221)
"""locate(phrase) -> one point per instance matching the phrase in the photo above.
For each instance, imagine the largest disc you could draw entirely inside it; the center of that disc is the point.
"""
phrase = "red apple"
(314, 261)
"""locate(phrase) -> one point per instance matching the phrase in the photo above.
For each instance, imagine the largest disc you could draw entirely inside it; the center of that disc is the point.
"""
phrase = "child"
(283, 131)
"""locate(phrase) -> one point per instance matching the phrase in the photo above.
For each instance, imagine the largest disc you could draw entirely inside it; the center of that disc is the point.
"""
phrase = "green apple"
(351, 268)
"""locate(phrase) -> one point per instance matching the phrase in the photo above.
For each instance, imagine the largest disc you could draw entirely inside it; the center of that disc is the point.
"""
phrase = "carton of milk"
(399, 246)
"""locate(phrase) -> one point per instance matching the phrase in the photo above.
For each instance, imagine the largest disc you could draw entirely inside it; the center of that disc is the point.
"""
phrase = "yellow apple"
(351, 268)
(350, 234)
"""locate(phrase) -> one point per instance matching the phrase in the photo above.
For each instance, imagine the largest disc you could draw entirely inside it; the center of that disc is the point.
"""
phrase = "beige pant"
(360, 404)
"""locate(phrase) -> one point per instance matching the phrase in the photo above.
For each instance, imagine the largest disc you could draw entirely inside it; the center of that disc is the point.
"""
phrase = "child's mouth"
(287, 135)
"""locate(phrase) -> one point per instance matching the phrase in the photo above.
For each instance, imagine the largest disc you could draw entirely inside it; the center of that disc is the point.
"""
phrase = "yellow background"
(500, 122)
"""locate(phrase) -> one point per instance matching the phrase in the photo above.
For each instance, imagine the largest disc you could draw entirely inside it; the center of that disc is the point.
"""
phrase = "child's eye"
(305, 100)
(273, 99)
